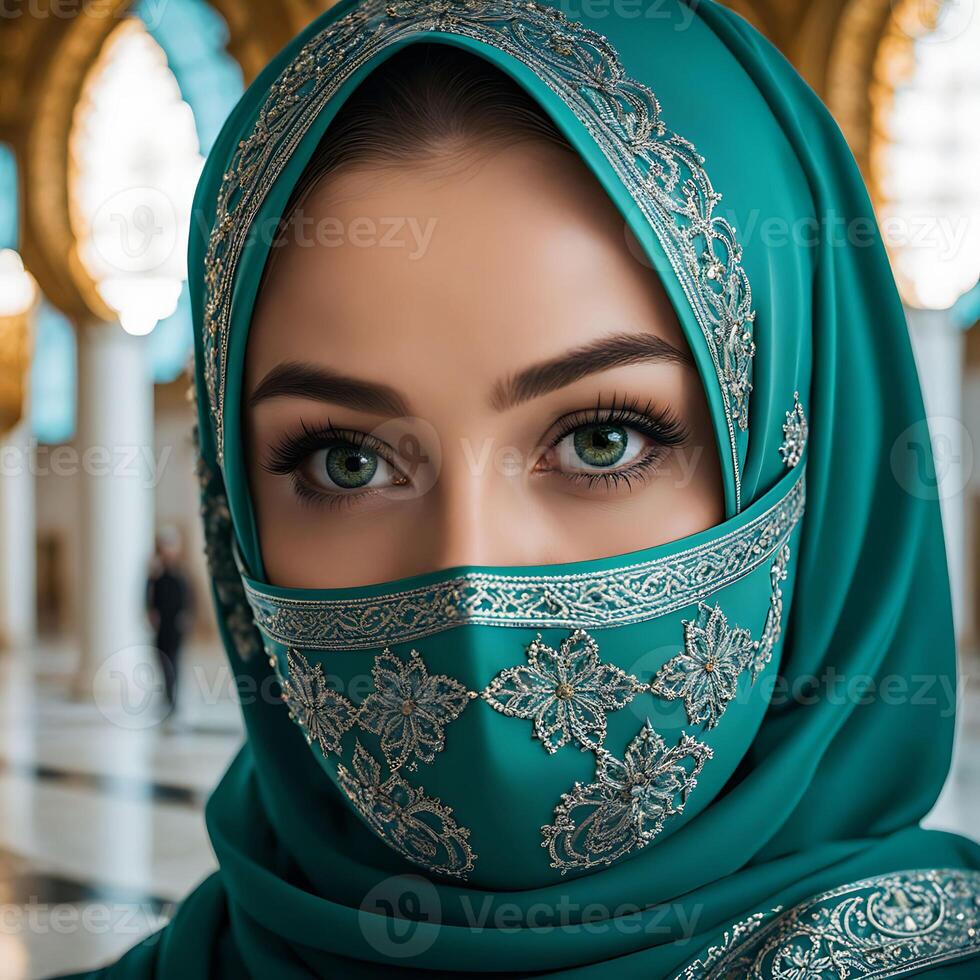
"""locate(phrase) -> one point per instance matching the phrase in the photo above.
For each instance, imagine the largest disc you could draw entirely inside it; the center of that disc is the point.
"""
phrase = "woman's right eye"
(346, 468)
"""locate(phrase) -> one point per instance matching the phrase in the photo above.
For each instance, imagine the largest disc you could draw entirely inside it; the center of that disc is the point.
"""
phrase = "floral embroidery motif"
(889, 925)
(420, 828)
(629, 593)
(409, 708)
(706, 674)
(322, 714)
(565, 692)
(627, 804)
(774, 618)
(795, 432)
(810, 963)
(662, 171)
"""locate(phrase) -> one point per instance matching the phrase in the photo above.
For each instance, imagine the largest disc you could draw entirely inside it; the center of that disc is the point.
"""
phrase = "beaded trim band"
(890, 925)
(629, 593)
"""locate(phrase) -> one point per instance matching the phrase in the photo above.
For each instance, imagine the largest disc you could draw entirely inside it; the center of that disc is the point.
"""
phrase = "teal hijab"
(708, 758)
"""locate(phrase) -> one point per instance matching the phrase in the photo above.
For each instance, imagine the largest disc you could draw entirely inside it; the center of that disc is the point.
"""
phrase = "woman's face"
(468, 365)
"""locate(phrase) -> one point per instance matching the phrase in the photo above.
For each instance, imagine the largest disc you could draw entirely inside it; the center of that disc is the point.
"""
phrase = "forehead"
(508, 256)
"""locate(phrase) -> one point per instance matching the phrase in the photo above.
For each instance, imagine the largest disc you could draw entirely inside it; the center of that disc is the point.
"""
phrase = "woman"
(573, 514)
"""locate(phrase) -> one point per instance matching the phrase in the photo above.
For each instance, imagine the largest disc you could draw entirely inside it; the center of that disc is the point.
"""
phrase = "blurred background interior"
(107, 110)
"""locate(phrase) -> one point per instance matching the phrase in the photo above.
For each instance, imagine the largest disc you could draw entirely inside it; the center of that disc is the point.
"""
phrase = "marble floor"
(101, 826)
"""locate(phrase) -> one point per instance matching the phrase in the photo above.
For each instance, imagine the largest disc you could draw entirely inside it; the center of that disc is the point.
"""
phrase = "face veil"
(643, 759)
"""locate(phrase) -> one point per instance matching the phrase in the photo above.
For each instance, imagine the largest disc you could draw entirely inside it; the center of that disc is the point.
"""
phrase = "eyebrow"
(614, 350)
(294, 379)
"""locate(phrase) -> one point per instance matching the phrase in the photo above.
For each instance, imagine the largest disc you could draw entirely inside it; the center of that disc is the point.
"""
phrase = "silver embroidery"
(627, 805)
(805, 964)
(774, 618)
(565, 692)
(232, 606)
(662, 171)
(795, 432)
(420, 828)
(889, 925)
(322, 714)
(409, 709)
(629, 593)
(731, 937)
(706, 674)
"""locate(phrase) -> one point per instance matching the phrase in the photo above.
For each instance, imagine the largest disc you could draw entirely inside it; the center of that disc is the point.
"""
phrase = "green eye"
(600, 444)
(349, 467)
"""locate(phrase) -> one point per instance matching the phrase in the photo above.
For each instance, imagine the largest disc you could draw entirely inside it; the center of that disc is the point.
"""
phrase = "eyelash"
(288, 455)
(661, 426)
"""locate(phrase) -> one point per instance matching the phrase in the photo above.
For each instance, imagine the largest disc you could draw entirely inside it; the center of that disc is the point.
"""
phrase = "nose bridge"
(478, 502)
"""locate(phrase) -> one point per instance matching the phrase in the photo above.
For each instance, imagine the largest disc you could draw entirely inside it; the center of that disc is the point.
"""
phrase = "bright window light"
(136, 163)
(927, 158)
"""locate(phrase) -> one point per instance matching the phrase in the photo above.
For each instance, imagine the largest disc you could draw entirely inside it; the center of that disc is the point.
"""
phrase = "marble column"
(938, 343)
(116, 485)
(18, 573)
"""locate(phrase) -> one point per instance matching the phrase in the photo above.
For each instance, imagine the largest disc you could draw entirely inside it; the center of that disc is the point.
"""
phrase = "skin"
(527, 263)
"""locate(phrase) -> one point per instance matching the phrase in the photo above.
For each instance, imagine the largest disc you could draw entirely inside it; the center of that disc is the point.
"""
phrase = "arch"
(44, 64)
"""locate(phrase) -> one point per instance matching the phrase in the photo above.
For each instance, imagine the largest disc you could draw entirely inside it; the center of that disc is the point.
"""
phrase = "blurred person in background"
(169, 607)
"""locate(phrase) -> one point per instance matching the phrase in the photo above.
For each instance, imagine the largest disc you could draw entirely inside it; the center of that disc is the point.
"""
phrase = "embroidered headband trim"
(662, 171)
(629, 593)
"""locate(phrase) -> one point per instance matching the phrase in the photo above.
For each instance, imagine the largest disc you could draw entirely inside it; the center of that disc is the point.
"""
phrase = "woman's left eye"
(612, 445)
(599, 446)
